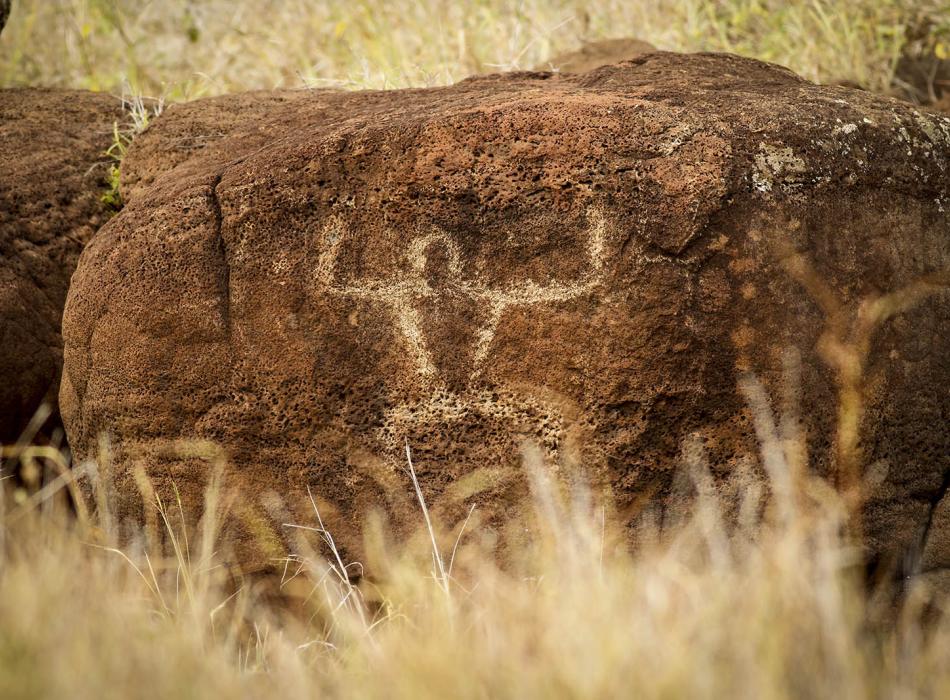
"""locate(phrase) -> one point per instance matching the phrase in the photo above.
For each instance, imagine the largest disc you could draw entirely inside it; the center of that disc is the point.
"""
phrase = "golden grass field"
(768, 601)
(187, 48)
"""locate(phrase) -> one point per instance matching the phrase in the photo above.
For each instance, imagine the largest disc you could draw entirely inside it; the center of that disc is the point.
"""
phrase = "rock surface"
(52, 175)
(589, 262)
(596, 54)
(211, 130)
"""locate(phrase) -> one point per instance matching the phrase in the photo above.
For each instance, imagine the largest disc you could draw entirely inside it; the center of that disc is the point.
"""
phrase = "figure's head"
(4, 12)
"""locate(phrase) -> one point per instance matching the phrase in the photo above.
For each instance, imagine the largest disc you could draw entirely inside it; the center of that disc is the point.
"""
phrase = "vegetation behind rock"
(182, 48)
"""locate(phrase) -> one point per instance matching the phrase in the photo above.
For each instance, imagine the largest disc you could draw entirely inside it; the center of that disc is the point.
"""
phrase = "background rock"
(922, 79)
(596, 54)
(53, 172)
(587, 262)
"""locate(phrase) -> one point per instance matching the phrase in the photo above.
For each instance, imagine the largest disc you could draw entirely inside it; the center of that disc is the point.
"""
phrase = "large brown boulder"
(589, 262)
(53, 172)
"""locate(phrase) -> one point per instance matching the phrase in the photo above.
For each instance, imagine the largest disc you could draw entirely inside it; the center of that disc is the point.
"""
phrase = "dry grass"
(768, 602)
(187, 48)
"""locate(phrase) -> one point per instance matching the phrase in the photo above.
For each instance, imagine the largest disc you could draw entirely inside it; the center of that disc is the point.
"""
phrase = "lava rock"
(590, 263)
(53, 172)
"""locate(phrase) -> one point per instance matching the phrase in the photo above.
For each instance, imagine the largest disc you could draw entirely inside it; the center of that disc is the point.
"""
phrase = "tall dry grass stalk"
(187, 48)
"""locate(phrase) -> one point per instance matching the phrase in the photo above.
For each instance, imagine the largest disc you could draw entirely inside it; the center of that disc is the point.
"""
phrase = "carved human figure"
(403, 293)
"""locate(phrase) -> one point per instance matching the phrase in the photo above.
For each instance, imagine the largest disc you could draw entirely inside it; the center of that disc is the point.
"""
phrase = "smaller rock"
(596, 54)
(53, 173)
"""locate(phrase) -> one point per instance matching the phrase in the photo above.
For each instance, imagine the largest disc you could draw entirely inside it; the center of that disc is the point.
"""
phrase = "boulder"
(53, 172)
(585, 262)
(596, 54)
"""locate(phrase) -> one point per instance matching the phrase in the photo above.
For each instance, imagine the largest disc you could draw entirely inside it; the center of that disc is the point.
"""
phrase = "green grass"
(186, 48)
(140, 113)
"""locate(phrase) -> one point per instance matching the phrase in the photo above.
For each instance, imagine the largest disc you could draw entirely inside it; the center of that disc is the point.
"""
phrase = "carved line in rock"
(402, 293)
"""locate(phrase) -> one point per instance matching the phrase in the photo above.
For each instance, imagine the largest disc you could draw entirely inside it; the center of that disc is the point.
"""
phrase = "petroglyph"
(404, 293)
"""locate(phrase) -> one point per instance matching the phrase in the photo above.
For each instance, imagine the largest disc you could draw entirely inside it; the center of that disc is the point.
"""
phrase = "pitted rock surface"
(215, 129)
(53, 171)
(588, 262)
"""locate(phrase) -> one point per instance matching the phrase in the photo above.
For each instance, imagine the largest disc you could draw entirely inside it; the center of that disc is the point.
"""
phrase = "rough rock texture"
(596, 54)
(589, 262)
(210, 130)
(52, 170)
